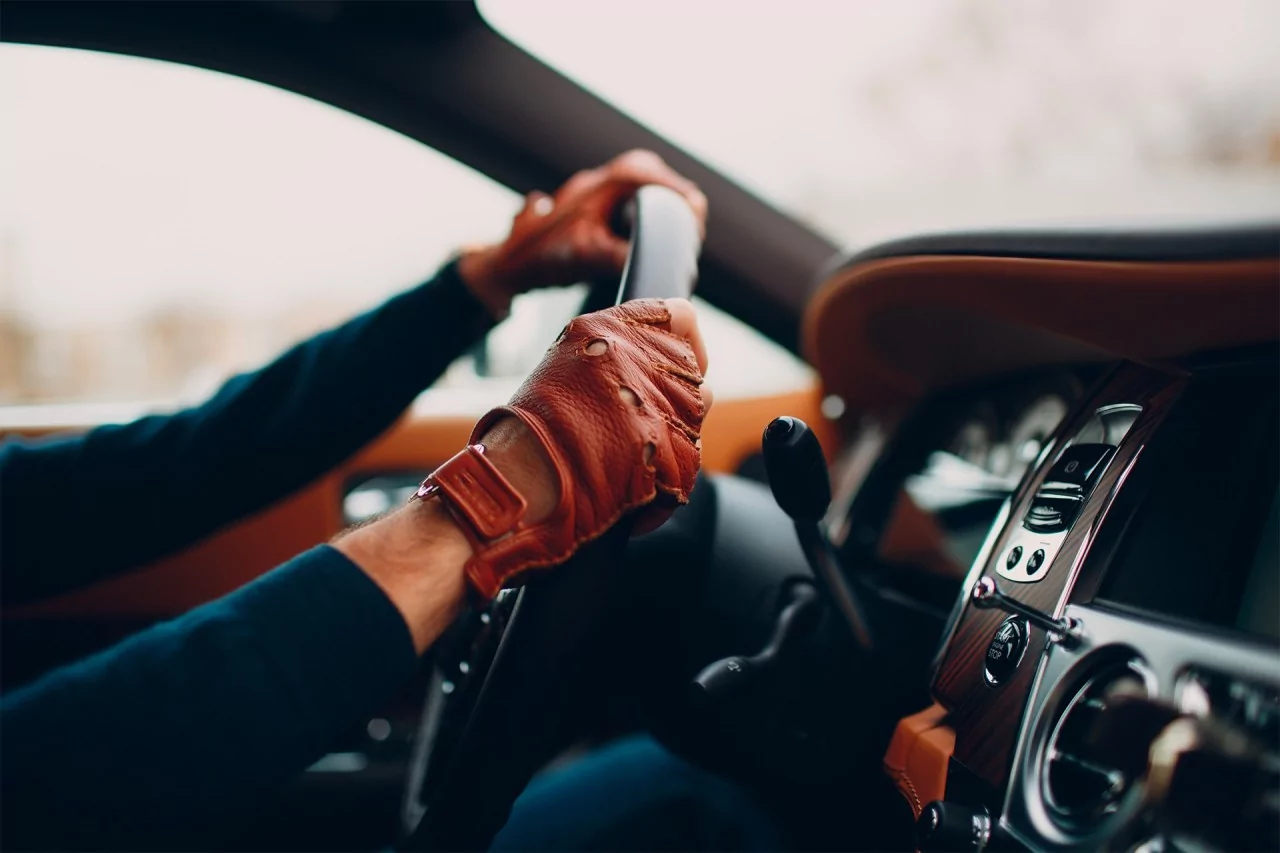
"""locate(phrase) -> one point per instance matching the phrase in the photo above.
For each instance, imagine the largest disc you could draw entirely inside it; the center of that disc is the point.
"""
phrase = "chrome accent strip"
(1082, 554)
(998, 526)
(985, 595)
(970, 578)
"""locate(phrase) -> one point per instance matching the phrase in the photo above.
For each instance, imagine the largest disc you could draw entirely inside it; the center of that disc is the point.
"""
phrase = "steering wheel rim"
(536, 644)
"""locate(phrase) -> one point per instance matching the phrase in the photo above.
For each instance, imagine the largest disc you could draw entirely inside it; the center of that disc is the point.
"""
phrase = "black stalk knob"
(797, 469)
(727, 678)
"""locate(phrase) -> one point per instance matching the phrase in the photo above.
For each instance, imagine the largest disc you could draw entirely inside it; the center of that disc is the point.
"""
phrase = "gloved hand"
(608, 424)
(566, 238)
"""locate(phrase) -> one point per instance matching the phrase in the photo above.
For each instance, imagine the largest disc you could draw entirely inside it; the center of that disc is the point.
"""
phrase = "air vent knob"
(1217, 783)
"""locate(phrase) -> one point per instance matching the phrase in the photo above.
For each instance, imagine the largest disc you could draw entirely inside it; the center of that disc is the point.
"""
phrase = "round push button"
(1014, 556)
(1005, 650)
(1035, 561)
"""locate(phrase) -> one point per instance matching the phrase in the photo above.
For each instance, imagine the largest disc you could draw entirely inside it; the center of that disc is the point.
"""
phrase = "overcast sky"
(127, 184)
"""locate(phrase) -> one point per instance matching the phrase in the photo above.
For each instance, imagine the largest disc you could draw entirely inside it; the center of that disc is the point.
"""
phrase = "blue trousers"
(634, 795)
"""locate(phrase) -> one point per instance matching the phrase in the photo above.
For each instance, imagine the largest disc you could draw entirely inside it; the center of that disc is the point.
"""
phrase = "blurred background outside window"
(871, 120)
(162, 227)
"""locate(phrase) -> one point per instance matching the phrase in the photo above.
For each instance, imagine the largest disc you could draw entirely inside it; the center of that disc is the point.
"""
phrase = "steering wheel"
(511, 685)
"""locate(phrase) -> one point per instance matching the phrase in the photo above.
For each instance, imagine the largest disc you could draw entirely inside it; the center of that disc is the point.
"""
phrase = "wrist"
(416, 556)
(478, 268)
(516, 453)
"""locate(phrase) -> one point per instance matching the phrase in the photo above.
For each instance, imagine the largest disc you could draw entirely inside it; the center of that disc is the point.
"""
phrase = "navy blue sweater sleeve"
(75, 510)
(169, 737)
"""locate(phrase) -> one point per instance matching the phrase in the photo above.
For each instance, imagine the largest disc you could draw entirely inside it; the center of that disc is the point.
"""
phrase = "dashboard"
(1127, 518)
(1101, 495)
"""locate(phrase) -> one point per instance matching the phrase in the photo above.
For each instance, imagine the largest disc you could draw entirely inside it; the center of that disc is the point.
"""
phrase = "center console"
(1113, 681)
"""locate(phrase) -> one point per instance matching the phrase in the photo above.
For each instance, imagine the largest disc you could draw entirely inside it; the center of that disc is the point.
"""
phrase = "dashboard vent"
(1082, 785)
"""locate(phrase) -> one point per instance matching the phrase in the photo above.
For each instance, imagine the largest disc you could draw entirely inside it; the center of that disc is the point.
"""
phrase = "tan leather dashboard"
(884, 331)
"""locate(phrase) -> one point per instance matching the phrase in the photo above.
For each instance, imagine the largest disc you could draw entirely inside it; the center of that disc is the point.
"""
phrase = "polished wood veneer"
(986, 719)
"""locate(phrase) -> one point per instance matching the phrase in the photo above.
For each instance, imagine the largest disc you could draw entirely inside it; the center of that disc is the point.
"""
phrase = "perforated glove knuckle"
(616, 405)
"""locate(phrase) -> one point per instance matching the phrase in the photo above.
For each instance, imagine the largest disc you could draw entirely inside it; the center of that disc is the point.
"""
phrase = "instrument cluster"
(989, 439)
(953, 462)
(1002, 433)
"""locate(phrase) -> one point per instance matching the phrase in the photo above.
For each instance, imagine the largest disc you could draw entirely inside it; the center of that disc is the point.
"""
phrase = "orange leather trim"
(732, 430)
(918, 756)
(914, 537)
(238, 554)
(241, 552)
(883, 332)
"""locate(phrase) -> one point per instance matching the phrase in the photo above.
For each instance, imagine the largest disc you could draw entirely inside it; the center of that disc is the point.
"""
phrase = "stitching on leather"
(673, 491)
(694, 379)
(686, 431)
(568, 552)
(556, 559)
(506, 575)
(906, 788)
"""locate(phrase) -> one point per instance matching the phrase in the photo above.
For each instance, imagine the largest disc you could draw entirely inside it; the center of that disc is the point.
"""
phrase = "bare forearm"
(417, 554)
(416, 557)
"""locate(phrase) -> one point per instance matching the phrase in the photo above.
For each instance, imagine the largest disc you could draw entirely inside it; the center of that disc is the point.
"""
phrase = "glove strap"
(482, 501)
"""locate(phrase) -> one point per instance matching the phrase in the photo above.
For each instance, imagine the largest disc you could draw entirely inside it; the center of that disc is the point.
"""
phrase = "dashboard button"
(1005, 650)
(1079, 464)
(1014, 556)
(1035, 561)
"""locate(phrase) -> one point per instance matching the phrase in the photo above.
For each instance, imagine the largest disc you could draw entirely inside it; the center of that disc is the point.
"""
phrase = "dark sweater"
(167, 737)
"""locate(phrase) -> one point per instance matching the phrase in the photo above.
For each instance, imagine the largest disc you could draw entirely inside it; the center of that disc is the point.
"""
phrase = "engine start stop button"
(1005, 650)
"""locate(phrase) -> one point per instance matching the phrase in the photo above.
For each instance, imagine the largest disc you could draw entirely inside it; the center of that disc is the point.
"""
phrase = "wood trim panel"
(985, 718)
(236, 555)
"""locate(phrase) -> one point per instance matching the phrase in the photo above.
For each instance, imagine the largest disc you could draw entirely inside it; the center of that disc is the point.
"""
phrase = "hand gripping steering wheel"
(511, 685)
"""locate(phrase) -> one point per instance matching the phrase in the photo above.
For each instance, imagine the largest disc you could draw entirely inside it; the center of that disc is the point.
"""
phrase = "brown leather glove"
(616, 406)
(566, 237)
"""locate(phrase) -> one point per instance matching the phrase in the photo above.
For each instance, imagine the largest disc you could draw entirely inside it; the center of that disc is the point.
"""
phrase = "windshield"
(870, 120)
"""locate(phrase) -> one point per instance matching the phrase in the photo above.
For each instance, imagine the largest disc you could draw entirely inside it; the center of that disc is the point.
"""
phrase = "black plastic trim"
(1242, 241)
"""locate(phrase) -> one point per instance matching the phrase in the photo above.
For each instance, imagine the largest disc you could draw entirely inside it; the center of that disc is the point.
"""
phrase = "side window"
(166, 226)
